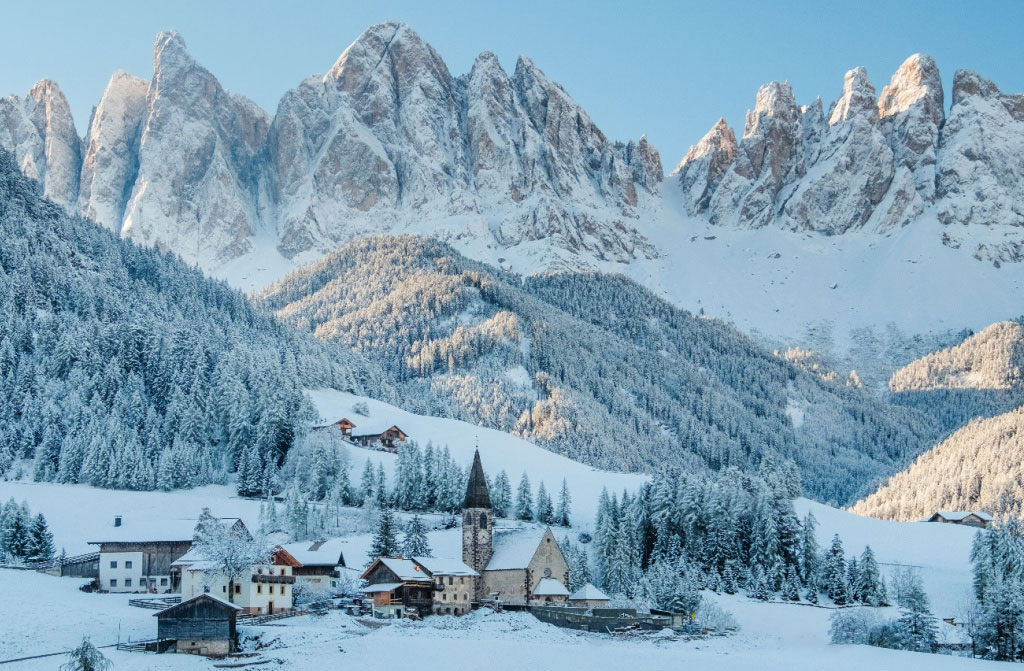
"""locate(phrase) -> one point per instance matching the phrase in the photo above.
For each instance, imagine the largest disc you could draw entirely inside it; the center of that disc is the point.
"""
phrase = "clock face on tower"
(547, 573)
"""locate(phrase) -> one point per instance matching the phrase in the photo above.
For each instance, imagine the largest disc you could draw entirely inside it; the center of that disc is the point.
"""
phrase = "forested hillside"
(975, 390)
(123, 367)
(980, 467)
(593, 366)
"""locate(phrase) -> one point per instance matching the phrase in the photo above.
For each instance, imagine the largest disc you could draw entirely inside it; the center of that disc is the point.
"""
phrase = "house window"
(113, 582)
(127, 564)
(283, 588)
(163, 582)
(465, 597)
(224, 588)
(259, 589)
(238, 589)
(444, 596)
(113, 564)
(271, 588)
(142, 582)
(282, 571)
(260, 571)
(127, 582)
(451, 580)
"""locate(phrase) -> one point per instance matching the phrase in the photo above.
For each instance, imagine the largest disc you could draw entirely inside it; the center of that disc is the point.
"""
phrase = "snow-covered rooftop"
(319, 553)
(962, 514)
(152, 531)
(380, 587)
(590, 593)
(550, 587)
(406, 569)
(443, 566)
(200, 596)
(514, 548)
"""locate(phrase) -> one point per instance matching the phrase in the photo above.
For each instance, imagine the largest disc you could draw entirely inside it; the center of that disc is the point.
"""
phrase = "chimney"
(117, 520)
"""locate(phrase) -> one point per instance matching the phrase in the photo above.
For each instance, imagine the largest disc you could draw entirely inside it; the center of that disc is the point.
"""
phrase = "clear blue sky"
(668, 69)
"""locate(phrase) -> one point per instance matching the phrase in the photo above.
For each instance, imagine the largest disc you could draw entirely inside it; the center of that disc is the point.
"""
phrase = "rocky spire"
(477, 495)
(705, 164)
(858, 98)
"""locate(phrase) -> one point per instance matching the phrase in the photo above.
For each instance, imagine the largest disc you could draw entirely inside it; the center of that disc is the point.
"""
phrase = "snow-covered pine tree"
(385, 538)
(367, 484)
(916, 625)
(40, 540)
(501, 497)
(563, 515)
(835, 572)
(524, 499)
(545, 512)
(871, 589)
(86, 657)
(414, 541)
(810, 551)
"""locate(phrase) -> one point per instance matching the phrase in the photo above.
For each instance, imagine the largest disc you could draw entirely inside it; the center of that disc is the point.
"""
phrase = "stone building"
(589, 596)
(513, 563)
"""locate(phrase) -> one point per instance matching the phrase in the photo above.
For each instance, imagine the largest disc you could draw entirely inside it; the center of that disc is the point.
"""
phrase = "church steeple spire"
(477, 495)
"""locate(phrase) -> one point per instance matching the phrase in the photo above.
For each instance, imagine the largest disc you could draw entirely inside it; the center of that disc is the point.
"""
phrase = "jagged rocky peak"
(915, 83)
(195, 184)
(40, 131)
(111, 150)
(980, 177)
(706, 164)
(858, 98)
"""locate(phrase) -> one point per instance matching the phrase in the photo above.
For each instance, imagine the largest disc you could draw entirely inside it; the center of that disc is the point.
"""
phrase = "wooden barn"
(380, 436)
(965, 517)
(203, 625)
(344, 426)
(398, 586)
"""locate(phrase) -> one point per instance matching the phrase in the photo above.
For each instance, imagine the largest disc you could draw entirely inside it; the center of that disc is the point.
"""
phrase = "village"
(201, 589)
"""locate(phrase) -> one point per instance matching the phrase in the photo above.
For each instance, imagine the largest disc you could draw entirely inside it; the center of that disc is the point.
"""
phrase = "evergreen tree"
(871, 588)
(415, 543)
(501, 497)
(835, 573)
(524, 499)
(916, 626)
(545, 510)
(367, 484)
(791, 585)
(40, 541)
(810, 551)
(385, 538)
(563, 515)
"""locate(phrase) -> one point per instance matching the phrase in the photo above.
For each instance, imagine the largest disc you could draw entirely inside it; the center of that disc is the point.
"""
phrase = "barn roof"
(208, 597)
(958, 515)
(155, 531)
(589, 593)
(436, 566)
(380, 587)
(514, 548)
(550, 587)
(477, 495)
(320, 553)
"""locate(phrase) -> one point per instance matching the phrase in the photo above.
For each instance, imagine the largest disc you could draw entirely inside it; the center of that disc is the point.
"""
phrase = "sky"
(665, 69)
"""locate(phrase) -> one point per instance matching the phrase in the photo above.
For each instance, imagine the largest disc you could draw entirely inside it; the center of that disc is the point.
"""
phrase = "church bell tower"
(477, 524)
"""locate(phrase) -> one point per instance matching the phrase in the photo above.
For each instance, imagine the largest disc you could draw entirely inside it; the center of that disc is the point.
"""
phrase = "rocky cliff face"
(40, 132)
(387, 139)
(872, 162)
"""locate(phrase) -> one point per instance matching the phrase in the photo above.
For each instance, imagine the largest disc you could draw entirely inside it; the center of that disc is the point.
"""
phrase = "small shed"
(203, 625)
(970, 518)
(589, 596)
(550, 590)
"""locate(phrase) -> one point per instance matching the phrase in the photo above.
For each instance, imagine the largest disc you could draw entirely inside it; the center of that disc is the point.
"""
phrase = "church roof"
(550, 587)
(477, 495)
(514, 548)
(589, 593)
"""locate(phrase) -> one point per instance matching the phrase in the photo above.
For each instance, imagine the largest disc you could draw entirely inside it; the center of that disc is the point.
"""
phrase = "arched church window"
(469, 519)
(483, 521)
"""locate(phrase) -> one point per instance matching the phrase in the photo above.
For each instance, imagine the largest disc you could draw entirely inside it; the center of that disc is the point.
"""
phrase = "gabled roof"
(514, 548)
(207, 597)
(477, 495)
(405, 570)
(157, 531)
(380, 587)
(589, 593)
(550, 587)
(958, 515)
(435, 566)
(320, 553)
(370, 427)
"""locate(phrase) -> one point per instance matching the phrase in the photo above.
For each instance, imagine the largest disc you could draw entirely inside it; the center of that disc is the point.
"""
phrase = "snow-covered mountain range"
(386, 137)
(810, 222)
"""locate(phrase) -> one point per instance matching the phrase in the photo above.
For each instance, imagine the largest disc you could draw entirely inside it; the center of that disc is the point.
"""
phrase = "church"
(515, 565)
